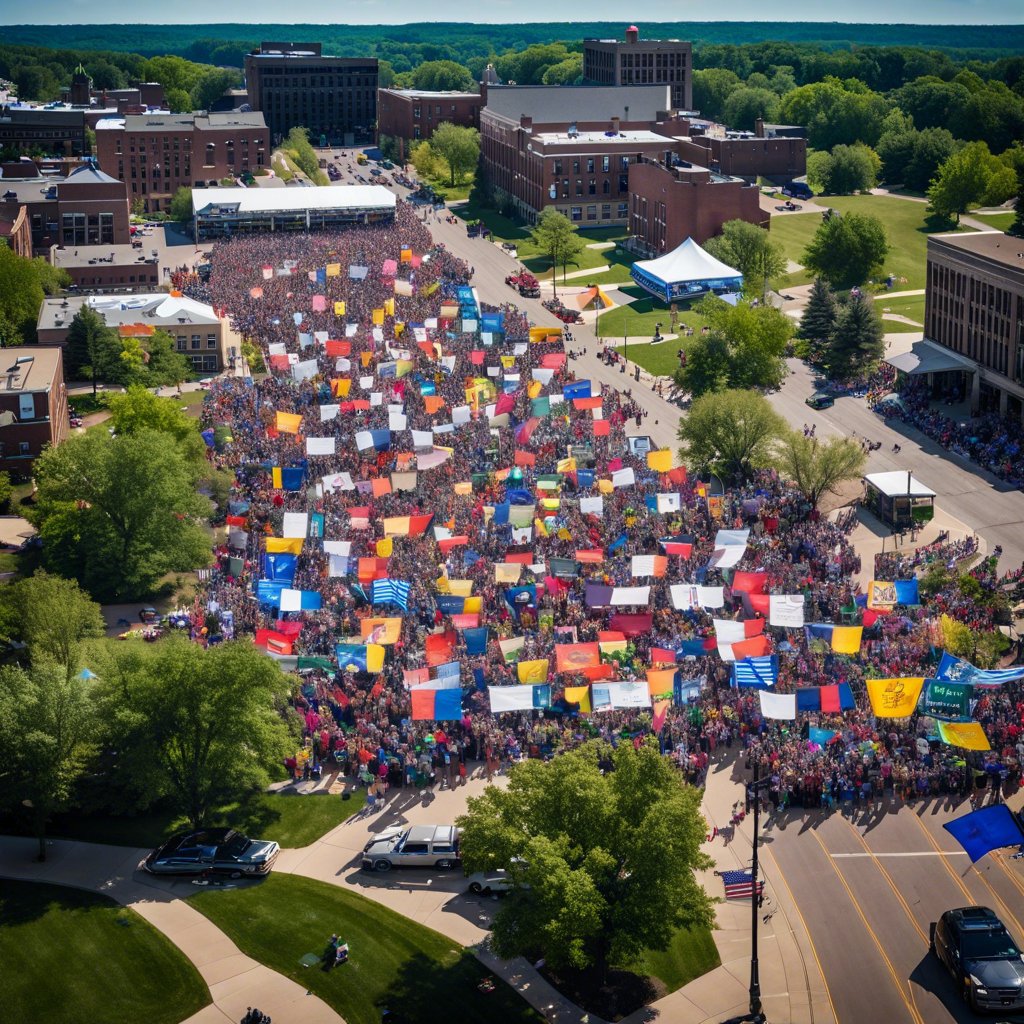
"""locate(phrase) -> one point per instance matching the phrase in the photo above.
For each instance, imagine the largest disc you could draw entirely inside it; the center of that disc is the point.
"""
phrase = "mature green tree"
(165, 365)
(21, 295)
(745, 105)
(743, 348)
(442, 76)
(201, 726)
(211, 85)
(930, 101)
(1002, 185)
(301, 151)
(565, 72)
(599, 851)
(1017, 227)
(53, 616)
(47, 725)
(6, 489)
(819, 467)
(179, 101)
(93, 348)
(733, 432)
(961, 181)
(711, 88)
(559, 239)
(118, 513)
(818, 320)
(844, 170)
(750, 250)
(180, 208)
(458, 146)
(857, 342)
(138, 410)
(836, 112)
(847, 248)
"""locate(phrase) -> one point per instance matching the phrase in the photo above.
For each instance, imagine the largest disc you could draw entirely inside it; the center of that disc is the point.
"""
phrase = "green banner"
(947, 700)
(312, 662)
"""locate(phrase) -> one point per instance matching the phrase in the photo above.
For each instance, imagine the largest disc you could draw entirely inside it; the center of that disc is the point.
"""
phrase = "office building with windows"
(637, 61)
(412, 114)
(156, 154)
(33, 406)
(197, 331)
(974, 307)
(294, 84)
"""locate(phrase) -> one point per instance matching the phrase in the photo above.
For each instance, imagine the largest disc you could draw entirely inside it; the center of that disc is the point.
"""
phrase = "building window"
(23, 448)
(606, 163)
(415, 111)
(623, 210)
(557, 168)
(576, 213)
(26, 407)
(565, 188)
(592, 187)
(606, 211)
(579, 186)
(590, 165)
(196, 341)
(591, 213)
(182, 343)
(211, 341)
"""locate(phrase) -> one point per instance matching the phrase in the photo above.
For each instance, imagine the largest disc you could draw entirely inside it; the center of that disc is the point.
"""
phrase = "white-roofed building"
(899, 499)
(228, 211)
(198, 332)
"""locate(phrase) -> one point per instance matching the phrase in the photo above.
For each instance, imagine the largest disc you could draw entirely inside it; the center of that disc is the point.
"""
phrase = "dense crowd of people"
(471, 428)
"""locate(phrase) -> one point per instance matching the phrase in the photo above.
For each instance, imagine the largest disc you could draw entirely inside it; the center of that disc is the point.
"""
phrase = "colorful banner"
(894, 698)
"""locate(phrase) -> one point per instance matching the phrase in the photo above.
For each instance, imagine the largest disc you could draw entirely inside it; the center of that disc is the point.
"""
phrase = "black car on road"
(975, 947)
(220, 850)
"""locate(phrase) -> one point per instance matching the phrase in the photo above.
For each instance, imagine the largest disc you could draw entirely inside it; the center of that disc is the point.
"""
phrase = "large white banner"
(786, 610)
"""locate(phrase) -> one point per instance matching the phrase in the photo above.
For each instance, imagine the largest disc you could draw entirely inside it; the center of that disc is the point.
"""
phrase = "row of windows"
(96, 229)
(591, 186)
(23, 449)
(576, 212)
(591, 164)
(335, 80)
(197, 341)
(648, 60)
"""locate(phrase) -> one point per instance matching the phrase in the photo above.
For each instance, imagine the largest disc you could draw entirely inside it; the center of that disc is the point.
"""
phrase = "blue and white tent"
(687, 270)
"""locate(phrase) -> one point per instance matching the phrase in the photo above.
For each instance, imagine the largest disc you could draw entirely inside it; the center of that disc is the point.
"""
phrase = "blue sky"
(377, 12)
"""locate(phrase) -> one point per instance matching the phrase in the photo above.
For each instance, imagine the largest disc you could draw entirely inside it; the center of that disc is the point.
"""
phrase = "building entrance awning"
(929, 357)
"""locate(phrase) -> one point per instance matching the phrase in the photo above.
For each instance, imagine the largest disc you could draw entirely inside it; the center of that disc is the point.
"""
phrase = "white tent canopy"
(686, 270)
(898, 484)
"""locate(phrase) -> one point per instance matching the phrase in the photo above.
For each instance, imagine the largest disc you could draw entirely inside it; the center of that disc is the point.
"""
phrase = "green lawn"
(70, 956)
(904, 222)
(394, 963)
(910, 306)
(661, 360)
(999, 221)
(691, 954)
(292, 821)
(640, 317)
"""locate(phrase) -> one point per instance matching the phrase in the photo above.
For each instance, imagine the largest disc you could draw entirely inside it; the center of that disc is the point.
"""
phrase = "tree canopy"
(118, 513)
(818, 467)
(609, 857)
(733, 432)
(818, 320)
(743, 348)
(844, 170)
(23, 285)
(196, 725)
(750, 250)
(558, 238)
(857, 341)
(458, 146)
(847, 248)
(962, 181)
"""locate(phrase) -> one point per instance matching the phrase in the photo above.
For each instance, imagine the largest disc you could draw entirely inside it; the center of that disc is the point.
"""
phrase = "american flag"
(739, 885)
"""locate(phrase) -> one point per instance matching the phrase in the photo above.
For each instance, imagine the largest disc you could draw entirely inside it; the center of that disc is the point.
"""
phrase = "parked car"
(421, 846)
(488, 883)
(798, 190)
(220, 850)
(987, 965)
(820, 400)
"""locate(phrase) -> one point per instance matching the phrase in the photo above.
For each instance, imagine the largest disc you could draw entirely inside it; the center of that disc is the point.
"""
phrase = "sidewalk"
(236, 982)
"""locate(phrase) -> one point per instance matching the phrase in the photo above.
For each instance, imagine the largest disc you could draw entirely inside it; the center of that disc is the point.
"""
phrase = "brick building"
(412, 114)
(53, 130)
(14, 230)
(33, 406)
(570, 147)
(295, 84)
(750, 155)
(974, 306)
(197, 330)
(156, 154)
(86, 208)
(147, 95)
(639, 61)
(670, 201)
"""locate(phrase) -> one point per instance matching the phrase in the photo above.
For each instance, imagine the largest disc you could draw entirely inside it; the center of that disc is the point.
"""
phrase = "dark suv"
(985, 962)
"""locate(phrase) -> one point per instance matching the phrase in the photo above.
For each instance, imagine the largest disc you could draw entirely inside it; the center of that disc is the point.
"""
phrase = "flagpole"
(755, 979)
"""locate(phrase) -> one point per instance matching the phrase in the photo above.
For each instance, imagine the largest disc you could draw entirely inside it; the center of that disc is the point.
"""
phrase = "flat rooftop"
(100, 255)
(155, 309)
(575, 103)
(591, 138)
(996, 246)
(441, 94)
(35, 368)
(293, 200)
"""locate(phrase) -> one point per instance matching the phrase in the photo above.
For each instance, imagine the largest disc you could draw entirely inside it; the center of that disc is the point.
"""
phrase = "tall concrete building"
(974, 306)
(641, 62)
(294, 84)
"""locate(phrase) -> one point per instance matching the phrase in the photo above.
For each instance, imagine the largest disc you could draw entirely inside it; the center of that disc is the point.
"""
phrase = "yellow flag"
(969, 735)
(381, 631)
(567, 465)
(333, 269)
(473, 605)
(846, 639)
(464, 487)
(284, 545)
(533, 671)
(288, 422)
(374, 657)
(660, 461)
(276, 480)
(460, 588)
(894, 698)
(339, 308)
(385, 547)
(534, 388)
(378, 317)
(605, 486)
(579, 695)
(442, 585)
(389, 307)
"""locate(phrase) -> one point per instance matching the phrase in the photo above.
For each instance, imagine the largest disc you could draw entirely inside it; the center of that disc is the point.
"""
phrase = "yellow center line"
(1010, 873)
(765, 852)
(910, 1005)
